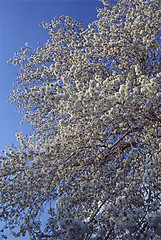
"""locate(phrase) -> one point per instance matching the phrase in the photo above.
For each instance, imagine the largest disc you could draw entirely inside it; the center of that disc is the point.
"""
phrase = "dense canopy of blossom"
(92, 97)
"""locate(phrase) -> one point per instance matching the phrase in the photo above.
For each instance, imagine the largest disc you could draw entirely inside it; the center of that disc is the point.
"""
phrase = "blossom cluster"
(92, 97)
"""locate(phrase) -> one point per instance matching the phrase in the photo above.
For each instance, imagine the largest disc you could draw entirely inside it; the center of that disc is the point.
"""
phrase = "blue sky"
(19, 23)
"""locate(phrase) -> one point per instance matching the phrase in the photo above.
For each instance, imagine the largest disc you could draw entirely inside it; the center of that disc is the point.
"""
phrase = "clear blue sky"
(19, 23)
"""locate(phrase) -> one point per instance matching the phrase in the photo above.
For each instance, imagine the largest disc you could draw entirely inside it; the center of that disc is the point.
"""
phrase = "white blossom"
(92, 159)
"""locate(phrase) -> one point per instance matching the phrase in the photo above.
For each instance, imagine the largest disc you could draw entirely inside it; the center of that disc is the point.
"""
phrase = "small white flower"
(27, 44)
(92, 83)
(120, 200)
(66, 96)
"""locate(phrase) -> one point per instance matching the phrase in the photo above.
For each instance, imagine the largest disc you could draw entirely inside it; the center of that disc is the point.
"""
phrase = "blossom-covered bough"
(92, 97)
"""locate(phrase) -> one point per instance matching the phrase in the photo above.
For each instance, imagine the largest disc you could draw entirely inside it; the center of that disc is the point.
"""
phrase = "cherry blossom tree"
(92, 97)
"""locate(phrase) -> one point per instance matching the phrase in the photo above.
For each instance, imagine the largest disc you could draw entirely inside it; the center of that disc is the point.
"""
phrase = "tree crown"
(92, 97)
